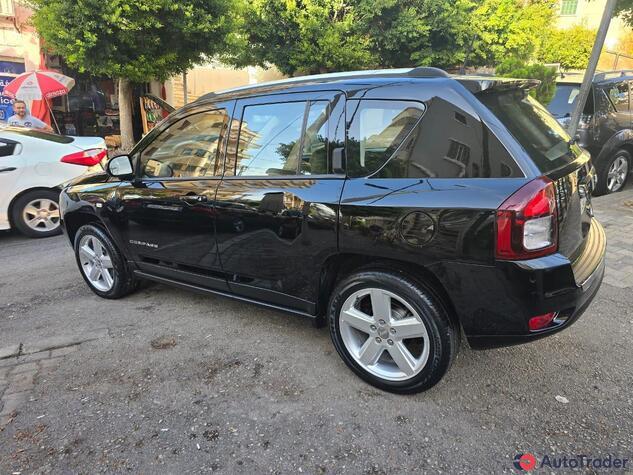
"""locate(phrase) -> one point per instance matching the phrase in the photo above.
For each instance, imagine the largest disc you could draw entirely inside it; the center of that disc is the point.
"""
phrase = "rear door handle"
(192, 199)
(8, 169)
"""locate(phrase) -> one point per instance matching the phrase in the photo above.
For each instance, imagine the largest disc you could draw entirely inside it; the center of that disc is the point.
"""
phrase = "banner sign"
(8, 71)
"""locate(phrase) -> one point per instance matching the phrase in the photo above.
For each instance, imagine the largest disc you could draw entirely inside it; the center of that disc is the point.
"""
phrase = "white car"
(32, 165)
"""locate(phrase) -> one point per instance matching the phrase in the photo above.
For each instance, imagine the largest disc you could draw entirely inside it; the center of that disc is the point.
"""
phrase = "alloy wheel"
(96, 263)
(616, 176)
(41, 215)
(384, 334)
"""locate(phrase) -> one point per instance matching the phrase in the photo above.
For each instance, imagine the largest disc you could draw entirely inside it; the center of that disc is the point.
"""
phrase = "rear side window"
(439, 140)
(541, 136)
(283, 139)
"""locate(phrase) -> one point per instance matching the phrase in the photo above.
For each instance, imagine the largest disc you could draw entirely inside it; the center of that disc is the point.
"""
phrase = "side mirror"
(120, 167)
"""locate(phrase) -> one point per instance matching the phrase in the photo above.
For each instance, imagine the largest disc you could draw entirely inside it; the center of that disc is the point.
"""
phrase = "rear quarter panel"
(455, 218)
(42, 166)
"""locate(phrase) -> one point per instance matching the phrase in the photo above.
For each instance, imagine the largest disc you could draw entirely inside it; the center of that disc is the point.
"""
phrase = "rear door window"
(375, 131)
(541, 136)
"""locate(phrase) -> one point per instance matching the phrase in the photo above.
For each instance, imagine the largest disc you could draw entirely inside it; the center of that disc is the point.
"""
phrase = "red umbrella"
(38, 85)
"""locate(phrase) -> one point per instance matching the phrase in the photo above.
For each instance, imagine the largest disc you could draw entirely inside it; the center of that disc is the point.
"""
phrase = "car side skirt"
(204, 290)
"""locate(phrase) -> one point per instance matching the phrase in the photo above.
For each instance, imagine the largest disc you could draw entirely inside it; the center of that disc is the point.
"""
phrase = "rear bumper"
(496, 302)
(574, 308)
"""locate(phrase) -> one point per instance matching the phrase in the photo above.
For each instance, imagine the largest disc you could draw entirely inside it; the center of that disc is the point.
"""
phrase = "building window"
(6, 8)
(568, 7)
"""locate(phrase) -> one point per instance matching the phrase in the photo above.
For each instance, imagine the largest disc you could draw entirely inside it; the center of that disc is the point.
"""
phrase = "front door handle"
(192, 199)
(8, 169)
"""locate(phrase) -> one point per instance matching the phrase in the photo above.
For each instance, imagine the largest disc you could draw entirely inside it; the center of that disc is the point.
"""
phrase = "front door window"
(187, 149)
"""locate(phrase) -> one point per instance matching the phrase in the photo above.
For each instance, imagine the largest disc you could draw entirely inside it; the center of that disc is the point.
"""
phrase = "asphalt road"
(234, 388)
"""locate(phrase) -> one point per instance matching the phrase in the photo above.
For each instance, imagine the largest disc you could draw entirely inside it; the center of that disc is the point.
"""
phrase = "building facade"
(19, 47)
(617, 53)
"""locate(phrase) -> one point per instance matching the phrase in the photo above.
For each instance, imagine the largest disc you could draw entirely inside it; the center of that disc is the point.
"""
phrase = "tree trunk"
(125, 114)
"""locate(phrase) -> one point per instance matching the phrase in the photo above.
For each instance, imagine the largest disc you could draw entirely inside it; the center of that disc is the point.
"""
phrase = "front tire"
(36, 214)
(613, 173)
(101, 264)
(392, 331)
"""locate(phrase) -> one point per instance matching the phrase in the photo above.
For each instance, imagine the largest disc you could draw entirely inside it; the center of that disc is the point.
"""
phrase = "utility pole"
(591, 67)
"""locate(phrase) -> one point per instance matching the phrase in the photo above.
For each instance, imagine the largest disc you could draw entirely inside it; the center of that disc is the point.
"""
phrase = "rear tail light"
(87, 158)
(541, 321)
(526, 223)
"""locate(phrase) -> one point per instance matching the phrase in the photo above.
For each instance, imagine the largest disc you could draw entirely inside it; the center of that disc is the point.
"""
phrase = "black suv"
(400, 208)
(606, 126)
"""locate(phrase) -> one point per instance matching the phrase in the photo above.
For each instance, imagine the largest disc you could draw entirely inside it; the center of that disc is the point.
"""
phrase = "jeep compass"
(399, 208)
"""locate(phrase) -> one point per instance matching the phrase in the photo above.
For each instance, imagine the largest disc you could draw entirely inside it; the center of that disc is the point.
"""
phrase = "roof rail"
(419, 72)
(613, 74)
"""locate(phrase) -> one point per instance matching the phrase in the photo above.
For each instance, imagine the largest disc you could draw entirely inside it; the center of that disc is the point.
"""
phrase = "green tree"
(316, 36)
(301, 37)
(624, 10)
(505, 29)
(133, 40)
(571, 47)
(407, 33)
(514, 68)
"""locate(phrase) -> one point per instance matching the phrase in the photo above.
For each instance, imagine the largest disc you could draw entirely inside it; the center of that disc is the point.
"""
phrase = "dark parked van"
(401, 208)
(606, 126)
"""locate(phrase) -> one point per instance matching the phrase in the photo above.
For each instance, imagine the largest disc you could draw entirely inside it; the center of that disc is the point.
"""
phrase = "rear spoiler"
(480, 84)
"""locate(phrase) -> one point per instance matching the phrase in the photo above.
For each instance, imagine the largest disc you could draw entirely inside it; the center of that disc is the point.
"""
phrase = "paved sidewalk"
(615, 212)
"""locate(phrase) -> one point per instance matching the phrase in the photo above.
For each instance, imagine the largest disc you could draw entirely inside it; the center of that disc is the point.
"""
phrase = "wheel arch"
(338, 266)
(74, 220)
(622, 140)
(627, 146)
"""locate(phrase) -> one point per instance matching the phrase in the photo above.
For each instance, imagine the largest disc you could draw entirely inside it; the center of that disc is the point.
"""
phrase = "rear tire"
(36, 214)
(101, 264)
(614, 173)
(404, 346)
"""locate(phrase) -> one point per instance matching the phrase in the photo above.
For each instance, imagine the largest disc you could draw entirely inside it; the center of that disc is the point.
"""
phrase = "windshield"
(542, 137)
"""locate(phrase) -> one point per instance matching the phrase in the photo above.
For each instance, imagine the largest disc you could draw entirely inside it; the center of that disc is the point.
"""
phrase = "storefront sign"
(8, 71)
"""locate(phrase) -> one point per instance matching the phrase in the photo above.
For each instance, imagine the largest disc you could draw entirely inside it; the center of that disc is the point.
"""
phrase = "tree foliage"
(515, 68)
(311, 36)
(301, 37)
(624, 9)
(406, 33)
(510, 29)
(570, 47)
(133, 39)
